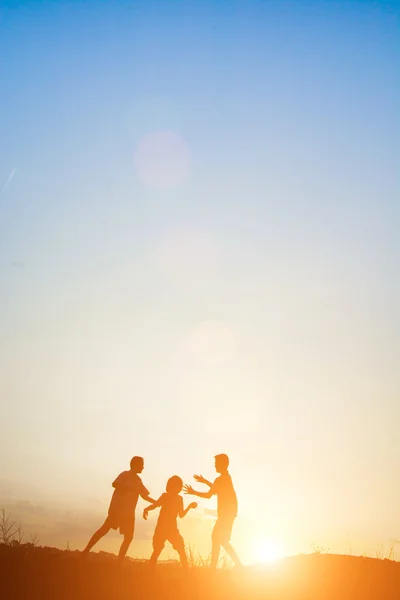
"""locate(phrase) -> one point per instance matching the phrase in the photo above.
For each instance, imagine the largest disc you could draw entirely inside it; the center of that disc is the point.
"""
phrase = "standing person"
(121, 513)
(171, 504)
(227, 508)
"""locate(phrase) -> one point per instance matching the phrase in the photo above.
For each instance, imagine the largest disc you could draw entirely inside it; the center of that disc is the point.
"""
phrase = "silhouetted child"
(121, 513)
(171, 504)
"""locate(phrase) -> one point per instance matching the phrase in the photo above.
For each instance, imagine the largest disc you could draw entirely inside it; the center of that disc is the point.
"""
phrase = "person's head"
(174, 485)
(221, 463)
(137, 464)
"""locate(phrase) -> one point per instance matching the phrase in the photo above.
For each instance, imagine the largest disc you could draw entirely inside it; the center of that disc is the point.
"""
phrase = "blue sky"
(275, 254)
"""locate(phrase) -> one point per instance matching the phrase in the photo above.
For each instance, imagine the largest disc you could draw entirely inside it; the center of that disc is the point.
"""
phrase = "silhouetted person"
(227, 508)
(121, 513)
(171, 504)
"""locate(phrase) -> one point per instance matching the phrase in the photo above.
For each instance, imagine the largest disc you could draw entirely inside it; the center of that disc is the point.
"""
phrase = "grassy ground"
(52, 574)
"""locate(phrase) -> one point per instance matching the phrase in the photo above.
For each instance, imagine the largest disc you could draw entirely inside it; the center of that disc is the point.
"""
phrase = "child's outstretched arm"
(201, 479)
(156, 504)
(184, 512)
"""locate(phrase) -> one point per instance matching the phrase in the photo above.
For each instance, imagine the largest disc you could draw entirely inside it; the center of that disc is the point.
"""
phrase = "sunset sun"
(267, 551)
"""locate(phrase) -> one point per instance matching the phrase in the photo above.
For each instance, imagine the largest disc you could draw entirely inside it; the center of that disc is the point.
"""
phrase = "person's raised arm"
(201, 479)
(189, 490)
(183, 512)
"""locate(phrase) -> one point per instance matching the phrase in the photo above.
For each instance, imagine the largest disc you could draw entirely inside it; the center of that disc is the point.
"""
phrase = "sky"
(199, 254)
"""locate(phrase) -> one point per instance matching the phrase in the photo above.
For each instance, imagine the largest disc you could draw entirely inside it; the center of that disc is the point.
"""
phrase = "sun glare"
(267, 551)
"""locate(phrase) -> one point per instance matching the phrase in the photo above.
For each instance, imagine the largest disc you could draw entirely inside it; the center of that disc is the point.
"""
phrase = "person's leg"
(232, 553)
(215, 545)
(215, 548)
(126, 528)
(104, 529)
(179, 545)
(158, 545)
(128, 537)
(183, 558)
(154, 558)
(226, 533)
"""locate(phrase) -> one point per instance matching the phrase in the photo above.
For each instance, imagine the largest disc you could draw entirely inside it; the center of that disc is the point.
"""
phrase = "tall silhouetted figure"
(227, 508)
(171, 504)
(121, 513)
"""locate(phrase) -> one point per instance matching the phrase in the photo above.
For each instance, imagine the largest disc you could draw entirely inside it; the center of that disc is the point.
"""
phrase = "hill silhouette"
(49, 573)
